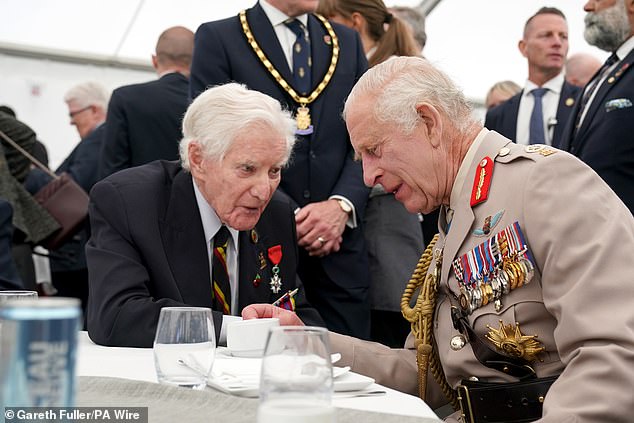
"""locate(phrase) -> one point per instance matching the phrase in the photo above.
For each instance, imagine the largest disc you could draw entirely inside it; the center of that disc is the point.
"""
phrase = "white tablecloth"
(138, 364)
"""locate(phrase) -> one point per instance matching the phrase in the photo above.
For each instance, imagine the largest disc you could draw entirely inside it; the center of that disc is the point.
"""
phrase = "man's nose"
(262, 188)
(370, 173)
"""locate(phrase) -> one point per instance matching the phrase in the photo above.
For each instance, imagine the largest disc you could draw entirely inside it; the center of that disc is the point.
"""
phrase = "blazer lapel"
(253, 277)
(564, 110)
(267, 40)
(599, 99)
(184, 242)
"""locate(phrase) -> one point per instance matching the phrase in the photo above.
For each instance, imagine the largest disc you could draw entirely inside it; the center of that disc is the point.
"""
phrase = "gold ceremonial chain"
(421, 318)
(303, 117)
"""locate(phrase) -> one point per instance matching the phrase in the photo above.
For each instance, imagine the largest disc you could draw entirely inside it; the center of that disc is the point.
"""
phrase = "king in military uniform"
(521, 307)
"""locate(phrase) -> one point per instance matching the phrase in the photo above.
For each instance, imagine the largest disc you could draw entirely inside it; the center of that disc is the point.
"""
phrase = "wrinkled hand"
(320, 227)
(262, 311)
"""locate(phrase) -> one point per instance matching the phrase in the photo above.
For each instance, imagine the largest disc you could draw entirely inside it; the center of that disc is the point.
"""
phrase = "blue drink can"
(38, 345)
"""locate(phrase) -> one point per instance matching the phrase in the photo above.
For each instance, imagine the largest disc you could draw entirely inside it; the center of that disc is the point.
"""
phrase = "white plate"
(348, 381)
(351, 381)
(246, 354)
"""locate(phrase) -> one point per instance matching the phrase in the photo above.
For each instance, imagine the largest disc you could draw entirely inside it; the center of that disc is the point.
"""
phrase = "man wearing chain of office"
(281, 48)
(525, 307)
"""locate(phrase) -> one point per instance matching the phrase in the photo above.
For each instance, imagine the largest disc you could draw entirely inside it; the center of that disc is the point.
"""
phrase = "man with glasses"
(87, 104)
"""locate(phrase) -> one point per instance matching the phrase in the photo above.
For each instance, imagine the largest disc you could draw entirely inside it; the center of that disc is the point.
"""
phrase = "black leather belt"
(516, 402)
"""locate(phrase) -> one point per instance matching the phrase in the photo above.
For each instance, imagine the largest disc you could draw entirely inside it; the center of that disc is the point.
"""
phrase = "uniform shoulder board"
(544, 150)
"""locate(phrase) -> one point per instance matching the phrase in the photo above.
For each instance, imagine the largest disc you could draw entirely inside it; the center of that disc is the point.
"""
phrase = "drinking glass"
(184, 346)
(17, 295)
(296, 377)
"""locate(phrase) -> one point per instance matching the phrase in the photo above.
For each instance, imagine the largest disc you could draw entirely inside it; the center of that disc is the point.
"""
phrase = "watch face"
(345, 206)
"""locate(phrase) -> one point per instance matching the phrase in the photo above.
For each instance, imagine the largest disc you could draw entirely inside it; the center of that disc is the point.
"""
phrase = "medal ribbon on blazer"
(275, 255)
(302, 117)
(493, 269)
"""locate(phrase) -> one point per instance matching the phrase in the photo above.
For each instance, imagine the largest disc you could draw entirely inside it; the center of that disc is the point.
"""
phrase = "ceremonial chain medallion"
(302, 117)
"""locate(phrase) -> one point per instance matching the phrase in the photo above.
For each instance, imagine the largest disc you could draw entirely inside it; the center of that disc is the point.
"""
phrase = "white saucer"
(247, 353)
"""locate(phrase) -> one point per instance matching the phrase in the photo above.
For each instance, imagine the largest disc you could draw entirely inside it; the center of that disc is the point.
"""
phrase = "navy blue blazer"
(82, 165)
(605, 140)
(503, 118)
(148, 251)
(322, 163)
(144, 123)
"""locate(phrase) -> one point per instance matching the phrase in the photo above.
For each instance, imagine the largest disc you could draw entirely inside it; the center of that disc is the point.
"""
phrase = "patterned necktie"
(301, 57)
(221, 287)
(592, 87)
(536, 129)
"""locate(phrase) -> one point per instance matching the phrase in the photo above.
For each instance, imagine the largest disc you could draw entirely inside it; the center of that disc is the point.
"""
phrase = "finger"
(258, 311)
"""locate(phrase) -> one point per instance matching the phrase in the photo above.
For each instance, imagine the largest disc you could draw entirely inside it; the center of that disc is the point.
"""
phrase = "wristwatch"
(344, 206)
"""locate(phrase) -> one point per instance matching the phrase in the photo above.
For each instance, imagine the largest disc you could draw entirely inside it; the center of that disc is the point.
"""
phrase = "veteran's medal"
(275, 255)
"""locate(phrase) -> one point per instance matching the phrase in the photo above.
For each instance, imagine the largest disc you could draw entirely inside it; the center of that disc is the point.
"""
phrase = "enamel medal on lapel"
(275, 255)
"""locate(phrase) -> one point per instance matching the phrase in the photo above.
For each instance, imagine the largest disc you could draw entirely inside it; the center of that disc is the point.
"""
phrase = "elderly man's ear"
(430, 122)
(195, 156)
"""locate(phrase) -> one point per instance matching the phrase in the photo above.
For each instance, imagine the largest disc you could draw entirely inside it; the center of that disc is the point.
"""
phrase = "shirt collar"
(277, 17)
(625, 48)
(211, 221)
(464, 168)
(553, 85)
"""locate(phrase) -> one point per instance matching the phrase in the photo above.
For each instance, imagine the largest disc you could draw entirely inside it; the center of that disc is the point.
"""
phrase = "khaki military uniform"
(580, 238)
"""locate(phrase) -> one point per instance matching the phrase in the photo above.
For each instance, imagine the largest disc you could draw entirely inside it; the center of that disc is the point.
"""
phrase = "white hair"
(218, 115)
(88, 93)
(398, 85)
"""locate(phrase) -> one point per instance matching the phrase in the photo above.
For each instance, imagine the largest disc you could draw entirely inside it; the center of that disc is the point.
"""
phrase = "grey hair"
(218, 115)
(400, 84)
(88, 93)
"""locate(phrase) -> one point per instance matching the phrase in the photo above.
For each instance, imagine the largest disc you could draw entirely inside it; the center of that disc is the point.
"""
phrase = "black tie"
(301, 56)
(221, 287)
(592, 87)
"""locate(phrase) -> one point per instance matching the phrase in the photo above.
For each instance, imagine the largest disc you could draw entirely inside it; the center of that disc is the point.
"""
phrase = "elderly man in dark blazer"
(154, 226)
(144, 120)
(600, 130)
(545, 46)
(310, 69)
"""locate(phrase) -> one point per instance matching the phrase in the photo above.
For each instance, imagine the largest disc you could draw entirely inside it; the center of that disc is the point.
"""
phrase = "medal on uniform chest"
(275, 255)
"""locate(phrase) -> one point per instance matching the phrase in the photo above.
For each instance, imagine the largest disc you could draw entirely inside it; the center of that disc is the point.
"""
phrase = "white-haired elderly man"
(156, 228)
(87, 104)
(527, 314)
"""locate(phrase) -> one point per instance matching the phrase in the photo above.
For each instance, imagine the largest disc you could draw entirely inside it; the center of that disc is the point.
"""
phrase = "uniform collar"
(625, 48)
(464, 168)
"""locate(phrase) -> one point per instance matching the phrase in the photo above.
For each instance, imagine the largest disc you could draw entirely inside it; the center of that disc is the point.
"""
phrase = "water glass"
(184, 346)
(17, 295)
(296, 378)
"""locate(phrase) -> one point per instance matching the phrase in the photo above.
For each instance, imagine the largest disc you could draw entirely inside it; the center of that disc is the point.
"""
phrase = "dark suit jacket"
(605, 140)
(322, 163)
(82, 165)
(503, 118)
(9, 278)
(148, 251)
(144, 123)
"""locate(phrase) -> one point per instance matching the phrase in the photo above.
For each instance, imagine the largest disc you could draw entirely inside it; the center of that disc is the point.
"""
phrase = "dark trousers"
(389, 328)
(72, 283)
(345, 310)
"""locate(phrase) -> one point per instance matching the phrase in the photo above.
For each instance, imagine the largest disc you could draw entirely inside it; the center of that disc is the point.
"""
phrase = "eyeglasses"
(76, 112)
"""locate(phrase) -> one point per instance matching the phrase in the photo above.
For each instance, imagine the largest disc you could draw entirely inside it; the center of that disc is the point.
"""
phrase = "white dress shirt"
(211, 225)
(550, 101)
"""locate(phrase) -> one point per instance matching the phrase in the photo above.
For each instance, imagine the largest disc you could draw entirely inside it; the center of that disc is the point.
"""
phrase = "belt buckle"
(464, 399)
